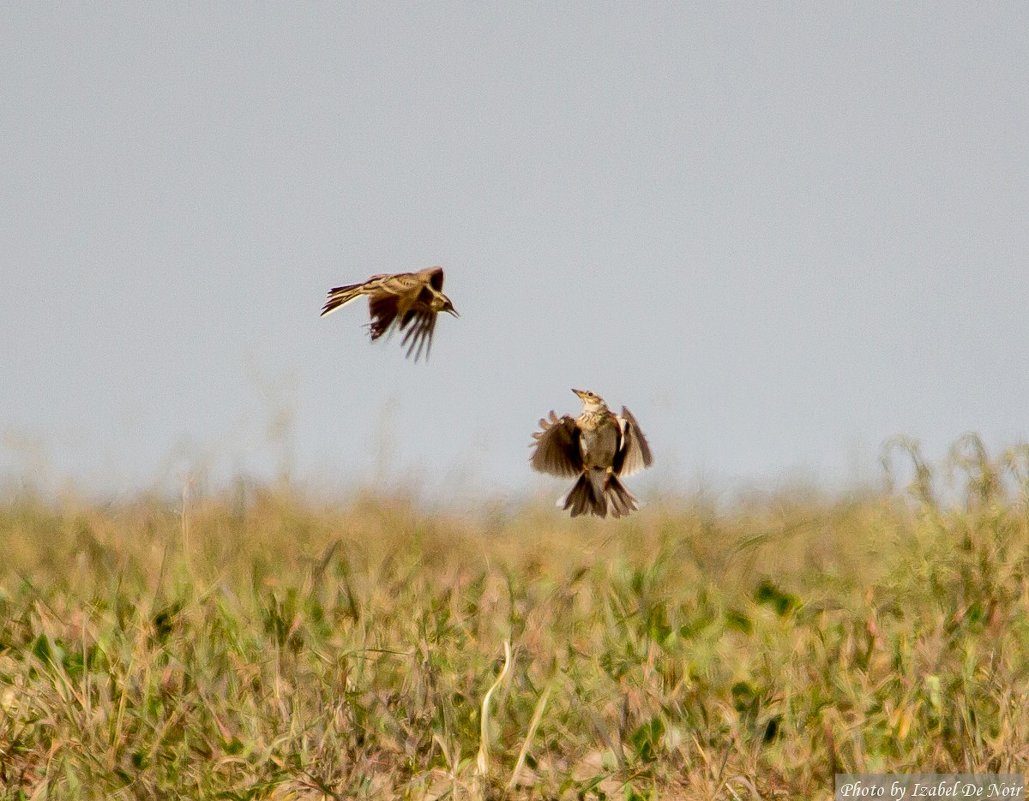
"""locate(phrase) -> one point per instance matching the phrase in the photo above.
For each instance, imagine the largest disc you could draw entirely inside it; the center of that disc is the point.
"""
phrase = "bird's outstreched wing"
(433, 276)
(419, 334)
(634, 454)
(383, 310)
(557, 447)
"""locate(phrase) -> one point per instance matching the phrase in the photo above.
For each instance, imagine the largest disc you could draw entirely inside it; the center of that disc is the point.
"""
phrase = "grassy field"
(257, 644)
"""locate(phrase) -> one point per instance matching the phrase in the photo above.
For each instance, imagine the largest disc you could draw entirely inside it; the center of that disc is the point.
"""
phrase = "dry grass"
(258, 645)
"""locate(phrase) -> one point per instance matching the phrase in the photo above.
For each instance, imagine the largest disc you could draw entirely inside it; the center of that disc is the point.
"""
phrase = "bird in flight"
(598, 446)
(407, 302)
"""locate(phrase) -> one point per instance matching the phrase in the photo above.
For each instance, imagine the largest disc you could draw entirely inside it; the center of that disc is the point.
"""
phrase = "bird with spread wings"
(598, 447)
(407, 302)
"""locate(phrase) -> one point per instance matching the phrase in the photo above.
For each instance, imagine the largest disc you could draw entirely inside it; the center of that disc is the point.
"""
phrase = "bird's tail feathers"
(619, 500)
(598, 492)
(583, 498)
(341, 296)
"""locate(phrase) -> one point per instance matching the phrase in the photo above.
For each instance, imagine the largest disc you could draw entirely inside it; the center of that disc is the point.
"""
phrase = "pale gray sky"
(779, 233)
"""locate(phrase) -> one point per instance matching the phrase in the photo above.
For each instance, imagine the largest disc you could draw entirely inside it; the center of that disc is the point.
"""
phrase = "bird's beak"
(579, 392)
(452, 311)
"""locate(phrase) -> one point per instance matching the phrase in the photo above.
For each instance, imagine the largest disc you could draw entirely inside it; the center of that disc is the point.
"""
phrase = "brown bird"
(406, 302)
(598, 446)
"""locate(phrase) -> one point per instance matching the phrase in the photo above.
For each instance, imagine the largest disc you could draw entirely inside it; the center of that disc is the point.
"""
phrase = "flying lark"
(598, 446)
(407, 302)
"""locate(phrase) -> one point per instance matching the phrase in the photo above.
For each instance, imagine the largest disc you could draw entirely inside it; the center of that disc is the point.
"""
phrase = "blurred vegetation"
(258, 644)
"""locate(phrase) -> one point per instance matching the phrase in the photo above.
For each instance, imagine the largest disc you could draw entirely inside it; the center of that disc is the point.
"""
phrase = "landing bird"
(406, 302)
(598, 446)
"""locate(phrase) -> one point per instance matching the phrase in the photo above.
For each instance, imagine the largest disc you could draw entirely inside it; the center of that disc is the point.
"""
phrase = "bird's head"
(441, 303)
(591, 401)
